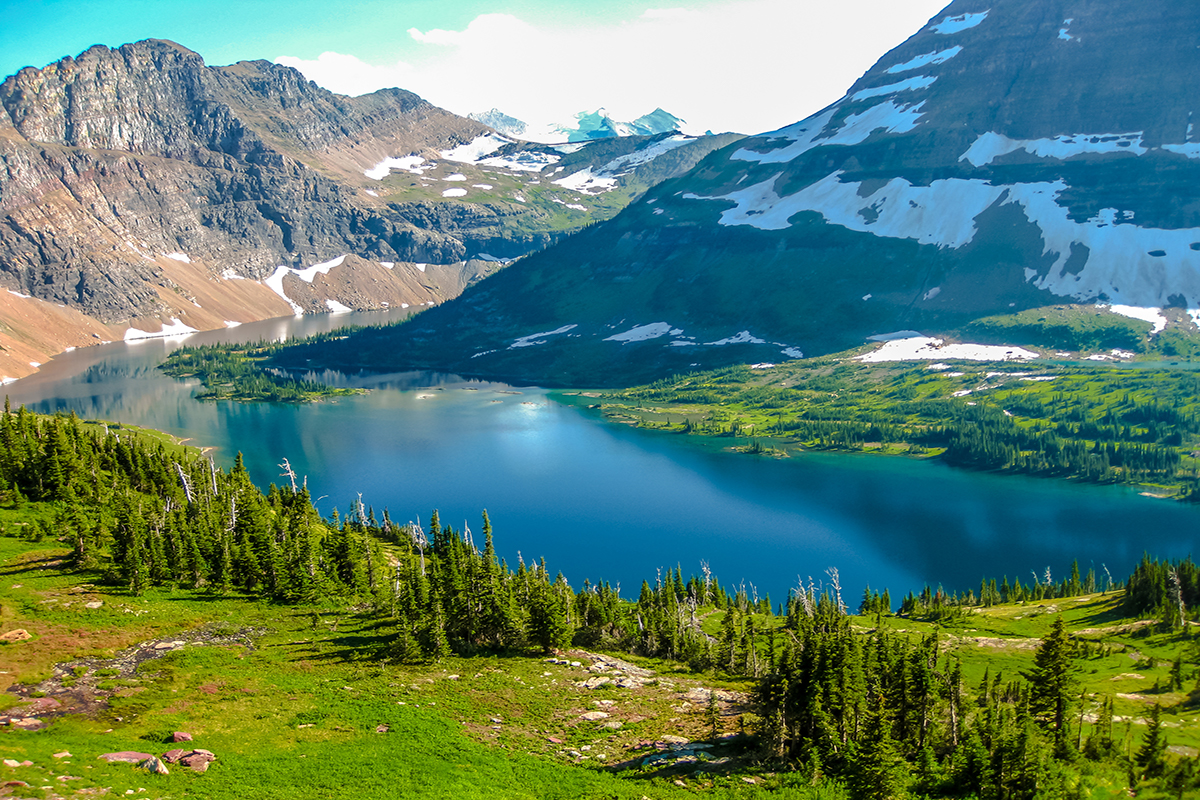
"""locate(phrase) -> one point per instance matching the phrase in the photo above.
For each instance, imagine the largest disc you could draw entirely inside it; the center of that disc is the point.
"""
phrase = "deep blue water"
(612, 502)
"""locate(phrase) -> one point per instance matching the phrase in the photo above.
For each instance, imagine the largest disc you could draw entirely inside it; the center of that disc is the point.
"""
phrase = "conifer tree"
(1052, 684)
(1151, 755)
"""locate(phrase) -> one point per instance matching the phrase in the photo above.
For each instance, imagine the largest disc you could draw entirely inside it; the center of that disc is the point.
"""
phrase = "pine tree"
(878, 771)
(1151, 756)
(1052, 684)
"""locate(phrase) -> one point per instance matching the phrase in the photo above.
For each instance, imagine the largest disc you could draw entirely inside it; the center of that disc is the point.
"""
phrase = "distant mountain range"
(143, 192)
(1008, 156)
(585, 126)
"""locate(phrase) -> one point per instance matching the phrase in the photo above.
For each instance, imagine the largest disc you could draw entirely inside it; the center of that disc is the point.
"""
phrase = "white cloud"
(346, 74)
(745, 65)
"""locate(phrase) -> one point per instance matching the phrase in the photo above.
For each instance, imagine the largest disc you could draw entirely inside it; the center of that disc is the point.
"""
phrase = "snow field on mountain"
(175, 328)
(642, 333)
(414, 164)
(1151, 315)
(926, 348)
(275, 281)
(960, 23)
(476, 149)
(887, 116)
(937, 57)
(536, 338)
(1129, 264)
(991, 145)
(912, 84)
(585, 181)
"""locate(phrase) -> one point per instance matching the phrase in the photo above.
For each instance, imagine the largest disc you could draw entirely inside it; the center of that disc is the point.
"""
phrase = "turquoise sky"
(722, 65)
(38, 32)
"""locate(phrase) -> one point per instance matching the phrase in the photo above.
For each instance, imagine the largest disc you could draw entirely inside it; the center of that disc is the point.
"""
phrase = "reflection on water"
(604, 501)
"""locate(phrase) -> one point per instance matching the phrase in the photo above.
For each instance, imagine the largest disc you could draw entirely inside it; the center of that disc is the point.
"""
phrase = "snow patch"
(18, 294)
(456, 192)
(936, 57)
(792, 352)
(586, 182)
(1152, 315)
(421, 266)
(275, 282)
(337, 308)
(35, 364)
(387, 264)
(1189, 149)
(476, 149)
(229, 275)
(178, 257)
(625, 164)
(924, 348)
(372, 193)
(1064, 32)
(482, 186)
(537, 338)
(887, 116)
(990, 146)
(231, 323)
(643, 333)
(1128, 264)
(176, 328)
(960, 23)
(743, 337)
(908, 85)
(524, 161)
(458, 176)
(414, 164)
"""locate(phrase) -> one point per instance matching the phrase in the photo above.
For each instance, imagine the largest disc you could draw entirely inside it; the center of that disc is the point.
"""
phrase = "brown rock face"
(135, 182)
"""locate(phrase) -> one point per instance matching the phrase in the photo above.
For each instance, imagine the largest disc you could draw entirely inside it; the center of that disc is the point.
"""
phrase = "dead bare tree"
(183, 478)
(418, 536)
(834, 581)
(1177, 592)
(289, 473)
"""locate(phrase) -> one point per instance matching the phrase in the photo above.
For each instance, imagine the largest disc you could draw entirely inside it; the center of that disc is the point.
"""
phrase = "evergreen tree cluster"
(1163, 589)
(888, 713)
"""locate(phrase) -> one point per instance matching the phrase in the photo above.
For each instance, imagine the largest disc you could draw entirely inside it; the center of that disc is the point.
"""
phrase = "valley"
(354, 447)
(266, 664)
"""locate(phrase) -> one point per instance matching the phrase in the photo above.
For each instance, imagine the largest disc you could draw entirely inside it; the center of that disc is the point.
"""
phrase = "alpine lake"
(601, 501)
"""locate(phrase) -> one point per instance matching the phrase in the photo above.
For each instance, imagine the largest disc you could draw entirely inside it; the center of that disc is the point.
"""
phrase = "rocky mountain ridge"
(141, 189)
(1008, 156)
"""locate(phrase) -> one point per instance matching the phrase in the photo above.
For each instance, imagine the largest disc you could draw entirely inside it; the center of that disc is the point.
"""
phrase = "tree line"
(886, 712)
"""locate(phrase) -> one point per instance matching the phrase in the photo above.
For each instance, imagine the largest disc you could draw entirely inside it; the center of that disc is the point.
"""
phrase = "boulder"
(180, 736)
(155, 766)
(18, 635)
(594, 716)
(198, 760)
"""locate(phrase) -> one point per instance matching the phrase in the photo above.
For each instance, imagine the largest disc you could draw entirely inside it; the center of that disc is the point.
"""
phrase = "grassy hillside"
(1097, 422)
(144, 592)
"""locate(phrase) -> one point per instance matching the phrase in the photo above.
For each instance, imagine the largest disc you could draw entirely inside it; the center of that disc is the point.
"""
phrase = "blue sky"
(746, 65)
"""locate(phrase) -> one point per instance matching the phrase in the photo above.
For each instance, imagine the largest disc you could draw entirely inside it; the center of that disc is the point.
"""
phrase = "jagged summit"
(1009, 155)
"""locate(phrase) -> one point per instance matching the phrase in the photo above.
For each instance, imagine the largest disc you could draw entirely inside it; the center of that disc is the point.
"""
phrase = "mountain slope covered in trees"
(877, 705)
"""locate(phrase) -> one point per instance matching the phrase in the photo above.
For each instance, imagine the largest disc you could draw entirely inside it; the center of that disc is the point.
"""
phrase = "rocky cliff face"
(139, 186)
(1010, 155)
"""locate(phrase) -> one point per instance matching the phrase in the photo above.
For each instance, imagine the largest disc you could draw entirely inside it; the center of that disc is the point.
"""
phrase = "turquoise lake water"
(602, 501)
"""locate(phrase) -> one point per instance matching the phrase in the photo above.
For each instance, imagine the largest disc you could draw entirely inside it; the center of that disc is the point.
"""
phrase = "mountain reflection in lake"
(602, 501)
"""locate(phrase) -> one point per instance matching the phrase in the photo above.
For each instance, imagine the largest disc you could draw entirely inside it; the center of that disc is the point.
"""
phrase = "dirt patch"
(84, 686)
